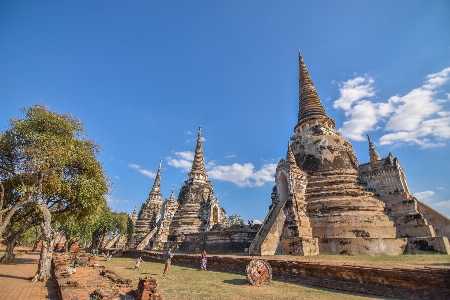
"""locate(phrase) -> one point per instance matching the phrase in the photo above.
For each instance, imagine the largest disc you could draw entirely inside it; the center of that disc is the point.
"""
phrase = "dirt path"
(15, 280)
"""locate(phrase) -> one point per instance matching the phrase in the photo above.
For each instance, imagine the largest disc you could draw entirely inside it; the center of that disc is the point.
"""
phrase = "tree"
(234, 220)
(56, 169)
(108, 224)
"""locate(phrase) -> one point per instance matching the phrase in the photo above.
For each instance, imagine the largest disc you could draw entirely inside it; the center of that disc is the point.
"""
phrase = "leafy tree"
(56, 169)
(234, 220)
(108, 224)
(130, 229)
(21, 230)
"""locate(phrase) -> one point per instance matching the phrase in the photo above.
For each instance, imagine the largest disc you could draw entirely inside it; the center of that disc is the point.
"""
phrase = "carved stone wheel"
(258, 272)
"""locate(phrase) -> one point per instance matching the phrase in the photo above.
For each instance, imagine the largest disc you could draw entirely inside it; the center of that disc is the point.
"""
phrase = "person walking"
(204, 260)
(168, 261)
(138, 263)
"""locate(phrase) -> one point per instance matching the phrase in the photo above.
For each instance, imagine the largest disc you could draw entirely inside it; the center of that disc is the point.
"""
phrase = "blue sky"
(144, 75)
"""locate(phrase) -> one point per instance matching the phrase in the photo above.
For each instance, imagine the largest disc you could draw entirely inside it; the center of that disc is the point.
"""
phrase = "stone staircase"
(146, 239)
(267, 240)
(113, 241)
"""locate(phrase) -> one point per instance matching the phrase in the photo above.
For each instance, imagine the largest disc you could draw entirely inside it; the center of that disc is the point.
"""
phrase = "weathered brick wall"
(424, 283)
(218, 241)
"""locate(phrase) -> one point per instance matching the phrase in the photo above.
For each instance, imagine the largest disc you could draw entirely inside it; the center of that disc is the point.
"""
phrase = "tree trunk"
(95, 241)
(48, 241)
(11, 242)
(8, 258)
(35, 246)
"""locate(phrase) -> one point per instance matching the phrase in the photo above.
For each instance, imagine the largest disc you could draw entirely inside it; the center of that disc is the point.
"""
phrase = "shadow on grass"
(236, 281)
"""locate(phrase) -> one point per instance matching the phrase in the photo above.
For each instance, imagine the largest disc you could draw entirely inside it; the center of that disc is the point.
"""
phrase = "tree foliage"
(234, 219)
(55, 167)
(108, 225)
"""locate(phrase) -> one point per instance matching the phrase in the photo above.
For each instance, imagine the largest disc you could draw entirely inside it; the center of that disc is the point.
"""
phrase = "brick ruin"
(161, 224)
(324, 201)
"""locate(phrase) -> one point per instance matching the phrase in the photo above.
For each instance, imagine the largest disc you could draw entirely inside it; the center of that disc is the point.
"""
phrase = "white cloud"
(116, 177)
(142, 171)
(180, 163)
(424, 196)
(184, 160)
(440, 188)
(362, 118)
(441, 204)
(187, 155)
(354, 90)
(147, 173)
(195, 140)
(231, 156)
(443, 207)
(111, 200)
(417, 118)
(244, 175)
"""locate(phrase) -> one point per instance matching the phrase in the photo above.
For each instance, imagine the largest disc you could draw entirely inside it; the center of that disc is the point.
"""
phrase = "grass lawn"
(190, 283)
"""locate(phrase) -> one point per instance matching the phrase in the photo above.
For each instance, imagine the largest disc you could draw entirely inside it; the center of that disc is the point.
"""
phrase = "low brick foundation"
(423, 283)
(87, 280)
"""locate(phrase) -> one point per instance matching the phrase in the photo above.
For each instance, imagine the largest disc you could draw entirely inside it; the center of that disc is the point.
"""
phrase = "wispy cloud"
(183, 160)
(440, 188)
(354, 90)
(112, 200)
(147, 173)
(231, 155)
(417, 118)
(424, 196)
(443, 207)
(195, 140)
(244, 175)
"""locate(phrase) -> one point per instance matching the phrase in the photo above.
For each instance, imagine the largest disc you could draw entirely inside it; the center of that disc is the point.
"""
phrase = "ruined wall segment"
(426, 229)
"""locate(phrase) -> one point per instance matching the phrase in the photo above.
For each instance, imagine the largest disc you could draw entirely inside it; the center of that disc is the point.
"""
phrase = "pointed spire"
(310, 106)
(155, 194)
(291, 159)
(373, 154)
(172, 196)
(198, 165)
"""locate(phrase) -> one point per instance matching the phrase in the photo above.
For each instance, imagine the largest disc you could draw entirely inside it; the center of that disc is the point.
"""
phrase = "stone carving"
(325, 201)
(258, 272)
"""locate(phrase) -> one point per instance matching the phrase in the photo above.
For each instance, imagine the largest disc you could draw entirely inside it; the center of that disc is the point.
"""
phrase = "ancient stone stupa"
(161, 224)
(324, 201)
(198, 209)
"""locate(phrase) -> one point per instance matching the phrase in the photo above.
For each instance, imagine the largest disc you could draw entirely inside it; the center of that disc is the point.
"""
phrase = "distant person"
(138, 263)
(241, 225)
(204, 260)
(168, 261)
(251, 224)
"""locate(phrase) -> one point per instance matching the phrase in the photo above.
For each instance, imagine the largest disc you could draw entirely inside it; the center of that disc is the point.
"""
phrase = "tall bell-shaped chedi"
(150, 211)
(326, 210)
(198, 210)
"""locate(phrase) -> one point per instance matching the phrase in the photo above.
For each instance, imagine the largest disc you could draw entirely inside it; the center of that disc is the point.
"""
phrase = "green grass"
(191, 283)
